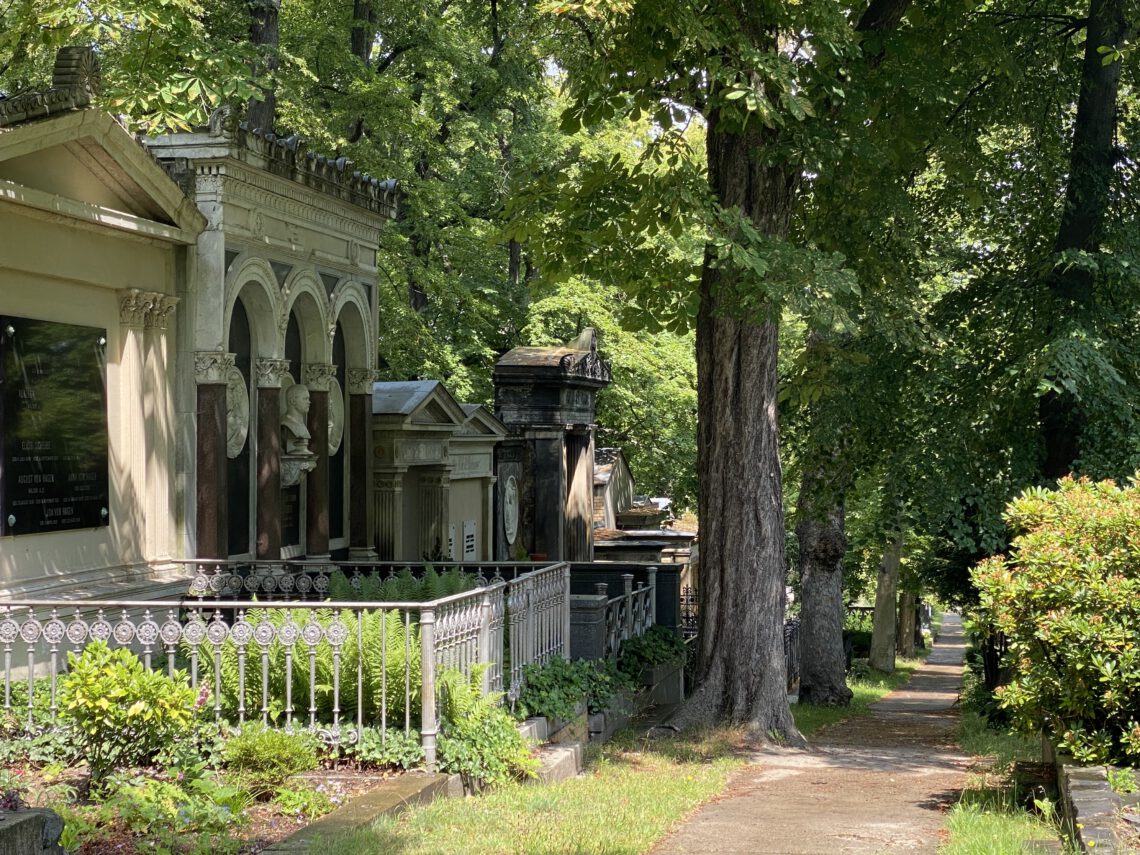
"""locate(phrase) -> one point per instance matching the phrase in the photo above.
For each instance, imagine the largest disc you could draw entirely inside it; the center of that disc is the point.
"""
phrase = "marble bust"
(296, 434)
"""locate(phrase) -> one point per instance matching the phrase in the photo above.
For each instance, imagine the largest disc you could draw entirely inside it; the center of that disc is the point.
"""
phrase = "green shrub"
(400, 642)
(305, 801)
(390, 748)
(195, 818)
(604, 681)
(259, 760)
(1067, 599)
(658, 646)
(479, 740)
(860, 642)
(555, 689)
(123, 713)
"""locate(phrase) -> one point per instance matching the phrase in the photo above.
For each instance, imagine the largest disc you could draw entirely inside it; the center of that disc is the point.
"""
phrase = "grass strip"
(866, 689)
(990, 817)
(633, 792)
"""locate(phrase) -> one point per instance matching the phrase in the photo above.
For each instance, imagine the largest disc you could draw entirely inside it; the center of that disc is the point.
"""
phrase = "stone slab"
(30, 831)
(560, 762)
(390, 798)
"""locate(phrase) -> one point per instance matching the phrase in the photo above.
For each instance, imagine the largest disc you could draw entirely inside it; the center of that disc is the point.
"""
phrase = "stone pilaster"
(388, 488)
(317, 481)
(434, 512)
(270, 374)
(362, 509)
(210, 371)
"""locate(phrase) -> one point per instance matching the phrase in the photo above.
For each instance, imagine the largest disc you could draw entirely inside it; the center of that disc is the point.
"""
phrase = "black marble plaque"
(53, 426)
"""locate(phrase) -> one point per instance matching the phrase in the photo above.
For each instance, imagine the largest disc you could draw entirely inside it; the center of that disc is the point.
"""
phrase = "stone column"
(130, 453)
(270, 374)
(548, 471)
(435, 509)
(158, 395)
(317, 376)
(361, 525)
(389, 492)
(579, 496)
(210, 371)
(487, 553)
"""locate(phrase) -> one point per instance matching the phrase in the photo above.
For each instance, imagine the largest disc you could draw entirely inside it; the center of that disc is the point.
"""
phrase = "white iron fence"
(332, 667)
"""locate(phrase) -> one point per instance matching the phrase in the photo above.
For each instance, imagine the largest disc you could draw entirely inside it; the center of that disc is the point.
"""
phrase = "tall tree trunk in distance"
(883, 628)
(905, 641)
(264, 34)
(742, 674)
(1091, 162)
(363, 31)
(823, 543)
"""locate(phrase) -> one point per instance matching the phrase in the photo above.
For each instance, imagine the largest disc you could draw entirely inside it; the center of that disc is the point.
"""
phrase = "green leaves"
(125, 713)
(1066, 600)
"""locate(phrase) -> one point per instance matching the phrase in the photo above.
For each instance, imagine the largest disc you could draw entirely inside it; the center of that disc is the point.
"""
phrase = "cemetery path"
(880, 783)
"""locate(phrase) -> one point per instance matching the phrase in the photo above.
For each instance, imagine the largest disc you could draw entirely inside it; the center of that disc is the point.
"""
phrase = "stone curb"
(414, 788)
(1090, 807)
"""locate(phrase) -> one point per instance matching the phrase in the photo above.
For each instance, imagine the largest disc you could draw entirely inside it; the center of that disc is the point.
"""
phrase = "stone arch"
(305, 297)
(351, 309)
(251, 279)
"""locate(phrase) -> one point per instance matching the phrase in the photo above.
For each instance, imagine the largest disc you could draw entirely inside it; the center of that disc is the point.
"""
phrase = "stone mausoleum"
(546, 397)
(188, 342)
(188, 331)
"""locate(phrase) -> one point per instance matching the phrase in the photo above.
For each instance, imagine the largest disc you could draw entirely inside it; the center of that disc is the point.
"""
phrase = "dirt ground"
(876, 784)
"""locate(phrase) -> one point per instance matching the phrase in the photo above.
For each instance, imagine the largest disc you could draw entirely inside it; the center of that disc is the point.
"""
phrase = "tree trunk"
(264, 35)
(363, 31)
(905, 641)
(1091, 162)
(883, 629)
(823, 543)
(741, 666)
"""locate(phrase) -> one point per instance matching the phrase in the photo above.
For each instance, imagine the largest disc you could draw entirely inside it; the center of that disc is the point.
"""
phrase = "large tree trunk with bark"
(823, 543)
(1087, 196)
(884, 627)
(904, 644)
(265, 35)
(741, 667)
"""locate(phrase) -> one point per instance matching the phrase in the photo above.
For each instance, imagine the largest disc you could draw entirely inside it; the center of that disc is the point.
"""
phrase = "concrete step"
(560, 762)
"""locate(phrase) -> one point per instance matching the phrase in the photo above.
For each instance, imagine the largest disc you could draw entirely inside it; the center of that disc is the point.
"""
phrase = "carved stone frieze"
(75, 82)
(271, 373)
(133, 306)
(318, 375)
(147, 309)
(293, 466)
(360, 380)
(159, 315)
(588, 365)
(211, 367)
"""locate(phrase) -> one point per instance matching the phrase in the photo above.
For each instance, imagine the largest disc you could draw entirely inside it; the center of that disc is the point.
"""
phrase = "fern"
(387, 646)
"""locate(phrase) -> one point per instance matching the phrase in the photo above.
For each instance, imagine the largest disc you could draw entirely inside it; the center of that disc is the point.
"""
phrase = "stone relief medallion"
(336, 416)
(237, 412)
(511, 509)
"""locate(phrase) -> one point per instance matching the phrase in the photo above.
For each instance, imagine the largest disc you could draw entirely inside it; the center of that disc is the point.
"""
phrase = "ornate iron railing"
(791, 634)
(332, 667)
(631, 613)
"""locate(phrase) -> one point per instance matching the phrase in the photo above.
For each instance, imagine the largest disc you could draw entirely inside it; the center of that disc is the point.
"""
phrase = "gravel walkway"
(876, 784)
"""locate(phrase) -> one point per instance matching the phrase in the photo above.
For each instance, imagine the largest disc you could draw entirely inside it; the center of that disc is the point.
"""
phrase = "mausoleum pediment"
(422, 404)
(480, 423)
(85, 165)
